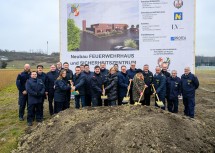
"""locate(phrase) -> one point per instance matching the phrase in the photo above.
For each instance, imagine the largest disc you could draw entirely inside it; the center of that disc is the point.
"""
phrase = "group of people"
(88, 88)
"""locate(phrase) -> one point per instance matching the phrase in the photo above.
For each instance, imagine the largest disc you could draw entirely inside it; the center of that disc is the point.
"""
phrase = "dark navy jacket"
(79, 83)
(189, 84)
(35, 89)
(69, 75)
(148, 79)
(58, 71)
(51, 78)
(123, 82)
(88, 77)
(104, 73)
(173, 87)
(43, 77)
(167, 74)
(160, 84)
(96, 84)
(112, 87)
(61, 88)
(131, 73)
(21, 80)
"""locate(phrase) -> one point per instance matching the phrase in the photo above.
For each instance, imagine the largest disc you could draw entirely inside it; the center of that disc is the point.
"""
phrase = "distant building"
(84, 25)
(3, 58)
(103, 27)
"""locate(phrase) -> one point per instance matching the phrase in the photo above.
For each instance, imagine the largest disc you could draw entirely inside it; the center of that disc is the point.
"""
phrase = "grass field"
(11, 128)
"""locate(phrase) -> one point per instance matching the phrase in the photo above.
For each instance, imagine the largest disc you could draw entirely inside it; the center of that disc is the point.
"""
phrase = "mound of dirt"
(118, 130)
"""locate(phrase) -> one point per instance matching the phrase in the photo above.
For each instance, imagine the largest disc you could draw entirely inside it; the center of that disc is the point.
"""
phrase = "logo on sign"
(178, 4)
(178, 38)
(178, 16)
(176, 27)
(74, 10)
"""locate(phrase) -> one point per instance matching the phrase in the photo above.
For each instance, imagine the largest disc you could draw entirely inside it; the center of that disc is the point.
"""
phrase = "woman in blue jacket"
(61, 88)
(36, 91)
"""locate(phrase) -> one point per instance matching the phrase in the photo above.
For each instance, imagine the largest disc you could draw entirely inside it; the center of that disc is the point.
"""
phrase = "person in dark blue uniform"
(88, 75)
(167, 75)
(164, 70)
(96, 87)
(123, 84)
(131, 73)
(104, 73)
(79, 85)
(159, 82)
(36, 90)
(173, 92)
(189, 85)
(148, 79)
(41, 75)
(69, 77)
(52, 75)
(23, 97)
(61, 87)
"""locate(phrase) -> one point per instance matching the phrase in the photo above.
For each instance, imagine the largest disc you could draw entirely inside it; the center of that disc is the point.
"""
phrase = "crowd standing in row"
(58, 84)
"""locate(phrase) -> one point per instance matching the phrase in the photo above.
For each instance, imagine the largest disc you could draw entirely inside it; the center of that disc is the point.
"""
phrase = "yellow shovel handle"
(155, 92)
(128, 88)
(142, 94)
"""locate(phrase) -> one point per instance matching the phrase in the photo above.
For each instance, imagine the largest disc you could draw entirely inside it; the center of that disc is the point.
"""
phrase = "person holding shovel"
(138, 86)
(131, 73)
(96, 86)
(79, 85)
(61, 87)
(111, 88)
(104, 73)
(123, 84)
(148, 78)
(159, 83)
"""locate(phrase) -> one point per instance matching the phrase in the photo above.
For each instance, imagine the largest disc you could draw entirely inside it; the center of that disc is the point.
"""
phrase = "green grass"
(10, 127)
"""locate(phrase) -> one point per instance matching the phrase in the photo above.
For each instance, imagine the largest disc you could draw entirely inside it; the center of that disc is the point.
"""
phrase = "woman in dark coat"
(61, 88)
(111, 88)
(138, 86)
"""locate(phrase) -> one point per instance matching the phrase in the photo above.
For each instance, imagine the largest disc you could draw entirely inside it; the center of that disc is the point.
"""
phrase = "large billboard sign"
(125, 31)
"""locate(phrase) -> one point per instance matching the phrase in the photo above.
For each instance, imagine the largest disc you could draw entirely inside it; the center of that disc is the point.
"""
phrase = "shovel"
(159, 103)
(103, 97)
(73, 92)
(127, 98)
(138, 103)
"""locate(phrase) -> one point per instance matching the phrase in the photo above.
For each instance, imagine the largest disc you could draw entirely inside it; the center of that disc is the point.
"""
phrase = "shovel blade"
(137, 103)
(103, 97)
(126, 99)
(160, 103)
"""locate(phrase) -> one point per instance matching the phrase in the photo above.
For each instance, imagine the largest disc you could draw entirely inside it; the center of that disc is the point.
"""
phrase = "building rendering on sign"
(100, 28)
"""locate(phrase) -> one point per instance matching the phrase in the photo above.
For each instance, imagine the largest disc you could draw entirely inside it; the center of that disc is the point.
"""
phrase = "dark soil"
(124, 129)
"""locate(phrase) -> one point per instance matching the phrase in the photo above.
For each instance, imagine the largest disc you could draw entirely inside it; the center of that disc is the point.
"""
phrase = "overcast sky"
(29, 24)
